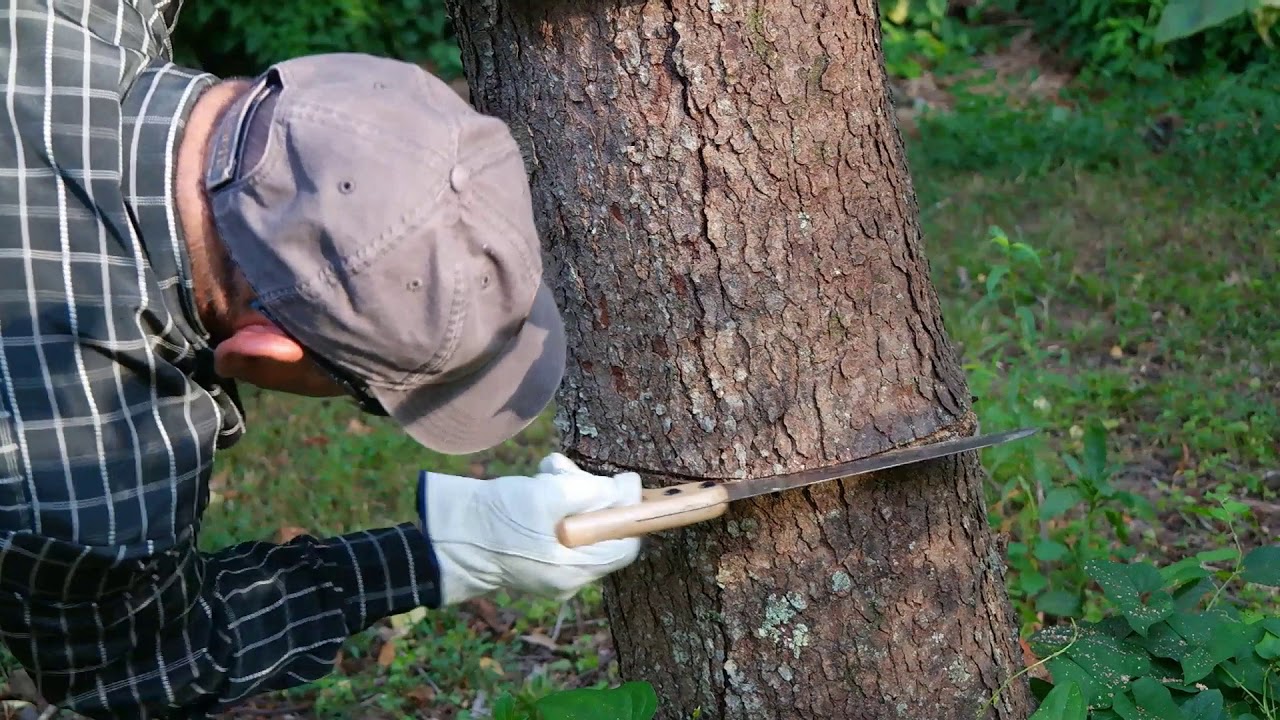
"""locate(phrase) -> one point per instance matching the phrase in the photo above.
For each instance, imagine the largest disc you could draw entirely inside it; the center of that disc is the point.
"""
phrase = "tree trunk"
(733, 236)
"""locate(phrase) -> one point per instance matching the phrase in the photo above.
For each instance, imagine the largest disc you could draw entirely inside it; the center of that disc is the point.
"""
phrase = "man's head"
(382, 231)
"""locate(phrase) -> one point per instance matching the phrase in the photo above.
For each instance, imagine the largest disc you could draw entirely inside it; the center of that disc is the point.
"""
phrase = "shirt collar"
(154, 113)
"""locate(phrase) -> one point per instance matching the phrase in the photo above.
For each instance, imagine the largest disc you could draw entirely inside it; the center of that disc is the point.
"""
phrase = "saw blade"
(739, 489)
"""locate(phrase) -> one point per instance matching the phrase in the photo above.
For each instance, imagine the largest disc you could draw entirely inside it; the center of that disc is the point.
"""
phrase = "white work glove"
(501, 533)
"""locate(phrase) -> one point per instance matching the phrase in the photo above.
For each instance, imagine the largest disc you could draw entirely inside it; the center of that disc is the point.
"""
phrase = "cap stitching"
(532, 263)
(491, 159)
(218, 165)
(361, 259)
(354, 262)
(378, 246)
(457, 310)
(327, 116)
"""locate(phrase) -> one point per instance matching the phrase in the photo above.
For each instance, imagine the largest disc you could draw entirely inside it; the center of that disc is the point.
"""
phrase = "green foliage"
(1114, 38)
(1060, 322)
(1136, 39)
(238, 38)
(1170, 646)
(628, 701)
(1184, 18)
(922, 35)
(1118, 38)
(1061, 508)
(1064, 702)
(1221, 138)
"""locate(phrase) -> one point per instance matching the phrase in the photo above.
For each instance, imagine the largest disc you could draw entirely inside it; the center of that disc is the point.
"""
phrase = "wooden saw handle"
(659, 509)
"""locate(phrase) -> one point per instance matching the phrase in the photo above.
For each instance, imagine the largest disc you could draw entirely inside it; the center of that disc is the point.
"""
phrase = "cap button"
(458, 177)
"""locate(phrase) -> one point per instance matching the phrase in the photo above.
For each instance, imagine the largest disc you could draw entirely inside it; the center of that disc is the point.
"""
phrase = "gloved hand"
(501, 533)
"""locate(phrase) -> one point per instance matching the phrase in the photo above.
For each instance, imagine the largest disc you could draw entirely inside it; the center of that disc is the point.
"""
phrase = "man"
(341, 225)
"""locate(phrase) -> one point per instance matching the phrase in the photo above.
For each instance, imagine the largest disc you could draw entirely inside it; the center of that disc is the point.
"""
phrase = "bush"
(932, 34)
(1119, 37)
(1103, 38)
(227, 37)
(1172, 645)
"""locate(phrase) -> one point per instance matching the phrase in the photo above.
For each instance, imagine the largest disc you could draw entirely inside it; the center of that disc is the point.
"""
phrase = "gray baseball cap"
(387, 227)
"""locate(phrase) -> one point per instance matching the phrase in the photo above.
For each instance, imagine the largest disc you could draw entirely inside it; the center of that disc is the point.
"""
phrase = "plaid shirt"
(111, 416)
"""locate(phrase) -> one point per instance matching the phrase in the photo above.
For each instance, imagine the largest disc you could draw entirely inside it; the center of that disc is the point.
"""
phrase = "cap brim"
(494, 404)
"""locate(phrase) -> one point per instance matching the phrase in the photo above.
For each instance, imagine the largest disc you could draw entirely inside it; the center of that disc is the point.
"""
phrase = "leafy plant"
(1170, 646)
(1061, 510)
(1125, 38)
(628, 701)
(922, 35)
(1069, 548)
(229, 38)
(1184, 18)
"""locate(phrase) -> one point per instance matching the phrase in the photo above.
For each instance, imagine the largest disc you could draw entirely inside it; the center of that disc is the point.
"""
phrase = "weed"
(1172, 645)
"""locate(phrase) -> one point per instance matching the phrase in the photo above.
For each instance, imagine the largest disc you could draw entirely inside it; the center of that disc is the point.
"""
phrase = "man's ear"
(260, 354)
(255, 349)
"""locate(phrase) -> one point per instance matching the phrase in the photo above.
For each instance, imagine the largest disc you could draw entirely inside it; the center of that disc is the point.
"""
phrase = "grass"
(1093, 282)
(1101, 290)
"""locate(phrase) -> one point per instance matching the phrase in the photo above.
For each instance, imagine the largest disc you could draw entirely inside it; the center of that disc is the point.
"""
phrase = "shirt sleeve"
(181, 633)
(144, 26)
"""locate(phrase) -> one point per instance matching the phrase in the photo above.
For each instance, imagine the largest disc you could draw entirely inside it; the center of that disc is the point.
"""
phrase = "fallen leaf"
(488, 663)
(219, 480)
(1184, 463)
(356, 427)
(422, 695)
(1029, 659)
(348, 665)
(287, 533)
(540, 640)
(316, 441)
(406, 620)
(22, 687)
(387, 653)
(487, 611)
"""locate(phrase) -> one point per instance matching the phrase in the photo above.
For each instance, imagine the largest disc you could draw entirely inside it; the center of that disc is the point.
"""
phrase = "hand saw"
(680, 505)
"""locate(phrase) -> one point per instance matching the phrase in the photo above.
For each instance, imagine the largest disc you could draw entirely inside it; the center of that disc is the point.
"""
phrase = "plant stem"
(1239, 562)
(1074, 637)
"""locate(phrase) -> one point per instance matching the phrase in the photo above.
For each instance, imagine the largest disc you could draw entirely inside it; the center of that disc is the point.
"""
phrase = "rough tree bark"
(733, 236)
